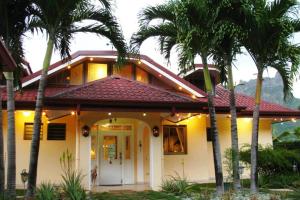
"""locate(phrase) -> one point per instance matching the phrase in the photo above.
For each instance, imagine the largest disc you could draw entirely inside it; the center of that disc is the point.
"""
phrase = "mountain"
(272, 91)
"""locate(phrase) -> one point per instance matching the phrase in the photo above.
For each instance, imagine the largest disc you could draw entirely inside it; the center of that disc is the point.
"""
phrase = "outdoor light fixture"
(109, 114)
(26, 113)
(144, 114)
(44, 113)
(24, 178)
(91, 59)
(69, 66)
(85, 131)
(72, 113)
(139, 62)
(193, 96)
(180, 88)
(155, 131)
(293, 120)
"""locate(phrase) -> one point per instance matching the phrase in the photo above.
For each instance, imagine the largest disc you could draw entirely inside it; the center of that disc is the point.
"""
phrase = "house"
(138, 123)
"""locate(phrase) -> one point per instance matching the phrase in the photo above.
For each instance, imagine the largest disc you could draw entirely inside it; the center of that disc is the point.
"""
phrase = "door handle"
(120, 158)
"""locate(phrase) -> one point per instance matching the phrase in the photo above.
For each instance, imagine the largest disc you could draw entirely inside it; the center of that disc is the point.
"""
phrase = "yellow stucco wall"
(50, 151)
(197, 164)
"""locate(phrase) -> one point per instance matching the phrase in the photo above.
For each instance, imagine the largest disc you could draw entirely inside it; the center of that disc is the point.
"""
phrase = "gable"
(144, 70)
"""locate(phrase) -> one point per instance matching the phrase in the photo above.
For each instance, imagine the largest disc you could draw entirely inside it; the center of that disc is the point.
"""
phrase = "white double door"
(116, 158)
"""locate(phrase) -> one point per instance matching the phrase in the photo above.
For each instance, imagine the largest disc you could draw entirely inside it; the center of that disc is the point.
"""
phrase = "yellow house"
(135, 124)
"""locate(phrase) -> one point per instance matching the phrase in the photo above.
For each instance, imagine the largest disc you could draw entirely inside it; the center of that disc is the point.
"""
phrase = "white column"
(156, 159)
(140, 163)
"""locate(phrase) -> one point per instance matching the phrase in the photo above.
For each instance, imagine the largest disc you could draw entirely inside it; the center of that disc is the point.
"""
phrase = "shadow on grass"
(147, 195)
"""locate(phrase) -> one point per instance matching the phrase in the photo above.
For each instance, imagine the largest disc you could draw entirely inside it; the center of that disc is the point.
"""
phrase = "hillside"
(272, 92)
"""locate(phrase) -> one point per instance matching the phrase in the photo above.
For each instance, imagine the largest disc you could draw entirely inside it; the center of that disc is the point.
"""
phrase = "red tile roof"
(248, 103)
(115, 88)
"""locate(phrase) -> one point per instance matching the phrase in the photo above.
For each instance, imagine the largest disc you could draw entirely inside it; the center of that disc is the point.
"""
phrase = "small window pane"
(124, 71)
(28, 131)
(142, 75)
(110, 147)
(127, 148)
(96, 71)
(175, 140)
(56, 132)
(76, 77)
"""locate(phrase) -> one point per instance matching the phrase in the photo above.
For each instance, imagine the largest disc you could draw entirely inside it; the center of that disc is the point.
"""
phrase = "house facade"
(132, 124)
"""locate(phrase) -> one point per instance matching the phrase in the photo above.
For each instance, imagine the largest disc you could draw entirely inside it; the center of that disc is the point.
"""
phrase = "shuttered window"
(28, 131)
(56, 131)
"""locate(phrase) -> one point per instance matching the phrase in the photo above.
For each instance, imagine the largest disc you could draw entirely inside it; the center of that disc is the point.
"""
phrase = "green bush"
(176, 185)
(72, 186)
(46, 191)
(272, 161)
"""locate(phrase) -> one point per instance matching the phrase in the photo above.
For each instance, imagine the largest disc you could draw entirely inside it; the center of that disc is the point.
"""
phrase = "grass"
(146, 195)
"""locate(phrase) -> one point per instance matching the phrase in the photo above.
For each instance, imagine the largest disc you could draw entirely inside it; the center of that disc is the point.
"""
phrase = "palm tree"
(269, 27)
(188, 26)
(12, 30)
(60, 19)
(2, 167)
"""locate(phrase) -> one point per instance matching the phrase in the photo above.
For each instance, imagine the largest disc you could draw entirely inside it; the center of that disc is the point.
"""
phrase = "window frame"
(31, 123)
(52, 124)
(185, 143)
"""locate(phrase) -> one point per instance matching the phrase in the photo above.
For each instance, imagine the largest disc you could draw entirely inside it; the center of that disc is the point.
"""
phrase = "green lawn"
(147, 195)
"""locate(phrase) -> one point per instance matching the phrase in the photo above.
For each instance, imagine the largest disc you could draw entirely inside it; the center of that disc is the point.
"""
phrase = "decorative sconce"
(24, 177)
(85, 131)
(155, 131)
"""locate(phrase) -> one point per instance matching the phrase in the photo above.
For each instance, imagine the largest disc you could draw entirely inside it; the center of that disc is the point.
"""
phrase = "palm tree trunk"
(35, 144)
(11, 137)
(234, 133)
(213, 124)
(2, 168)
(255, 127)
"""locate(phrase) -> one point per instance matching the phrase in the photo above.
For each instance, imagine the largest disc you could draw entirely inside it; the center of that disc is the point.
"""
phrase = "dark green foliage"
(272, 161)
(288, 145)
(176, 185)
(148, 195)
(72, 186)
(46, 191)
(279, 181)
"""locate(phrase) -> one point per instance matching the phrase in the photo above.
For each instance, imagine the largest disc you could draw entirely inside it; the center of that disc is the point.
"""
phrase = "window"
(141, 75)
(110, 145)
(209, 134)
(76, 77)
(96, 71)
(28, 131)
(56, 131)
(124, 71)
(175, 140)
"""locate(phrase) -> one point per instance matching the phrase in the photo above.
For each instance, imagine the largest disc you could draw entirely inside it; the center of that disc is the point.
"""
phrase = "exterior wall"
(197, 164)
(50, 151)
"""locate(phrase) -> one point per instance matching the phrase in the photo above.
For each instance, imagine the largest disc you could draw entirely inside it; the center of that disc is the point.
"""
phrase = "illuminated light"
(189, 115)
(69, 66)
(48, 122)
(177, 115)
(207, 115)
(293, 120)
(180, 88)
(144, 114)
(280, 119)
(26, 113)
(229, 116)
(91, 59)
(109, 114)
(193, 96)
(179, 119)
(72, 113)
(275, 119)
(199, 116)
(139, 62)
(68, 78)
(177, 124)
(44, 113)
(159, 75)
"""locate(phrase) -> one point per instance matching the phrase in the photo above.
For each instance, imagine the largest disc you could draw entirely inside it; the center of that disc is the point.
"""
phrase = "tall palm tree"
(269, 27)
(60, 20)
(2, 167)
(12, 30)
(188, 26)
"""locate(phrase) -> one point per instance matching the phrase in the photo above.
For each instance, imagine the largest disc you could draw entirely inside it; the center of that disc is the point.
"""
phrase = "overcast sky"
(126, 11)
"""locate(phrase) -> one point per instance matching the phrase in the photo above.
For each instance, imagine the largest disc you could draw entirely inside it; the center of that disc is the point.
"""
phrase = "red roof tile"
(115, 88)
(248, 102)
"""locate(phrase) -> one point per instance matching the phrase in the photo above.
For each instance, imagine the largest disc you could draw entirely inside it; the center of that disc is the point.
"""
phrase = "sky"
(127, 12)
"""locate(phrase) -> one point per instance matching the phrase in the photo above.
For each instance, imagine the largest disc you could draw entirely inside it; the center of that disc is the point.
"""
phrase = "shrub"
(72, 186)
(272, 161)
(176, 185)
(46, 191)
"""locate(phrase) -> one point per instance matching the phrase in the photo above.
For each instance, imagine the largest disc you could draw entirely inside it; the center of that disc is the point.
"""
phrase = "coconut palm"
(269, 27)
(60, 20)
(186, 25)
(11, 30)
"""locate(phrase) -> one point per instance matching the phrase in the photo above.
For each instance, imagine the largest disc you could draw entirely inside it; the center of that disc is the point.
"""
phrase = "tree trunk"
(234, 133)
(2, 167)
(255, 127)
(213, 125)
(11, 137)
(35, 144)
